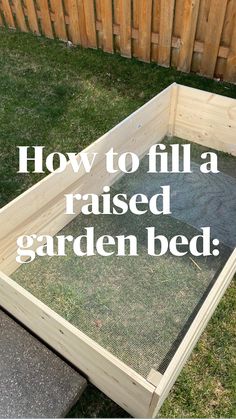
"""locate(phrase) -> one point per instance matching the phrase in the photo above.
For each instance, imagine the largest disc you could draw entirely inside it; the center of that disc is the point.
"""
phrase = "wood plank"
(230, 72)
(7, 12)
(98, 20)
(155, 29)
(212, 38)
(90, 23)
(229, 23)
(207, 119)
(71, 9)
(144, 33)
(119, 382)
(154, 377)
(59, 22)
(116, 21)
(177, 30)
(189, 25)
(165, 35)
(20, 17)
(107, 21)
(226, 37)
(135, 25)
(173, 109)
(195, 330)
(203, 14)
(32, 16)
(125, 28)
(45, 18)
(82, 25)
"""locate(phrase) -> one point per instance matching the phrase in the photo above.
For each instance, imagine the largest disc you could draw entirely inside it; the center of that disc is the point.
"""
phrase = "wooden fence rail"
(191, 35)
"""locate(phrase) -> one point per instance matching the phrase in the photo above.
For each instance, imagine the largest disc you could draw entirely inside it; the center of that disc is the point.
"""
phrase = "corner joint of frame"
(154, 377)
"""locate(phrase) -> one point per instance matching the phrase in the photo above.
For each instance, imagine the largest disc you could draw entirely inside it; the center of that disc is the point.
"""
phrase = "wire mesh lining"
(138, 308)
(197, 198)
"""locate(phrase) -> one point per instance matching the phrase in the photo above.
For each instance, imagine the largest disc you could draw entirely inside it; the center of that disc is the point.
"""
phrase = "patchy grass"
(207, 385)
(65, 98)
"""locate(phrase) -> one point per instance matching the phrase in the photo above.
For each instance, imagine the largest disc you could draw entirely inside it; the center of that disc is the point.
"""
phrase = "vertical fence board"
(98, 19)
(107, 25)
(125, 28)
(82, 25)
(135, 25)
(230, 73)
(165, 35)
(45, 18)
(188, 34)
(144, 34)
(224, 41)
(226, 38)
(177, 31)
(71, 10)
(203, 14)
(90, 22)
(8, 14)
(59, 22)
(32, 16)
(116, 23)
(212, 38)
(155, 28)
(20, 17)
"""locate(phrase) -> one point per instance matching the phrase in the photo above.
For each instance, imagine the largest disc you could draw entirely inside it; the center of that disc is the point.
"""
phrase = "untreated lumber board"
(206, 118)
(173, 108)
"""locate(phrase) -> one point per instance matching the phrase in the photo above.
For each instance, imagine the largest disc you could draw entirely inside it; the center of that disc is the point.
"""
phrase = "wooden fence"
(191, 35)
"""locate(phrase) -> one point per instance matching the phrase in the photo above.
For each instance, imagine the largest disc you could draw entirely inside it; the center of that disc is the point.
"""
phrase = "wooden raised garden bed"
(129, 324)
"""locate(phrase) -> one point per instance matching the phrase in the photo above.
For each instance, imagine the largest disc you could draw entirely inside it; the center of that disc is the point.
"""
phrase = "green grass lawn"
(65, 98)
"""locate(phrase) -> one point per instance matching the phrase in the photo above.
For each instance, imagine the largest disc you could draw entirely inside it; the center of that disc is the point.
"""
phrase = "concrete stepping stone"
(34, 381)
